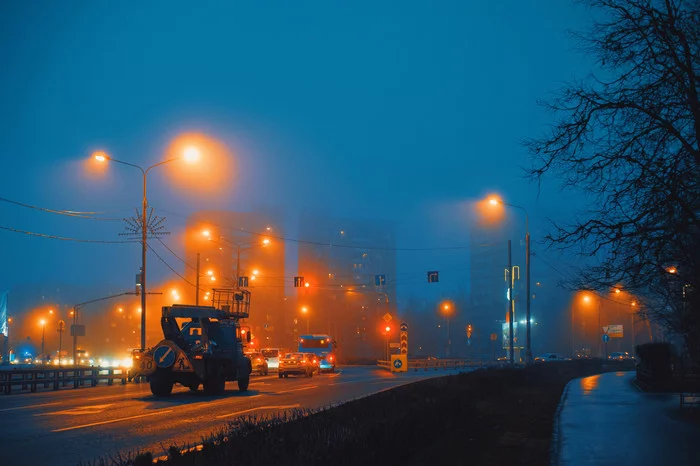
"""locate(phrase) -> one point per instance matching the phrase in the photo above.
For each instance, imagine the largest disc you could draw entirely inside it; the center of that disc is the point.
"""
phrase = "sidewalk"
(606, 420)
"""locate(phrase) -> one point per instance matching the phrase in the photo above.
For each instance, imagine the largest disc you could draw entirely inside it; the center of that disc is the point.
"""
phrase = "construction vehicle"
(207, 349)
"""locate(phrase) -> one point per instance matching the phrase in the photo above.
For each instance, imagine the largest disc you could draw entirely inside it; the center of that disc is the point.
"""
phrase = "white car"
(551, 357)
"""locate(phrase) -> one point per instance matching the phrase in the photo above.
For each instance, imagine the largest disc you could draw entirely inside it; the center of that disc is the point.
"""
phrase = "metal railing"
(437, 364)
(55, 379)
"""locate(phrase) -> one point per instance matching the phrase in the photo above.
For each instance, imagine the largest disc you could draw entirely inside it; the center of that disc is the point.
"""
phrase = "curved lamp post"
(528, 345)
(191, 155)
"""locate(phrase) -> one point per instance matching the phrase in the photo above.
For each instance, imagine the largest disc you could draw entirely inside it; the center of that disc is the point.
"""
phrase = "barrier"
(30, 379)
(437, 364)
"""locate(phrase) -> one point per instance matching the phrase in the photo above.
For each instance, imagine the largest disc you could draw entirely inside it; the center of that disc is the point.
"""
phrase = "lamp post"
(43, 327)
(305, 311)
(528, 343)
(238, 245)
(191, 154)
(446, 309)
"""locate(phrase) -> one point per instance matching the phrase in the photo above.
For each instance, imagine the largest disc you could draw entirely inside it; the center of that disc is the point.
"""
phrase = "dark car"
(259, 363)
(296, 363)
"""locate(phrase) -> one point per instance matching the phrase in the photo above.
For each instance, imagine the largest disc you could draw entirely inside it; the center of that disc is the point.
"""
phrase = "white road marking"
(296, 389)
(237, 413)
(111, 421)
(30, 406)
(79, 411)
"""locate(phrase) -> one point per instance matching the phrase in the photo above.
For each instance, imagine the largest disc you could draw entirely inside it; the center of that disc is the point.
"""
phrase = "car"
(273, 357)
(296, 363)
(314, 362)
(259, 363)
(620, 355)
(546, 357)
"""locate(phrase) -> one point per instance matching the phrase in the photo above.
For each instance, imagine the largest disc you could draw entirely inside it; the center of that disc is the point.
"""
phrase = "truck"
(202, 345)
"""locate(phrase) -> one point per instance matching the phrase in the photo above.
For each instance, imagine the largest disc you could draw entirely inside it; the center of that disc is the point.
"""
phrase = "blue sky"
(402, 110)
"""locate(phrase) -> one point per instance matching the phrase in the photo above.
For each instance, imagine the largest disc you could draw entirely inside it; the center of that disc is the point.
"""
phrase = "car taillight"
(330, 358)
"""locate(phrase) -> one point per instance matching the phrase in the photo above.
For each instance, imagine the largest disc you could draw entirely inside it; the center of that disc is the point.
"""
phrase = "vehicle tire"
(194, 387)
(280, 375)
(215, 383)
(333, 369)
(161, 386)
(243, 383)
(286, 376)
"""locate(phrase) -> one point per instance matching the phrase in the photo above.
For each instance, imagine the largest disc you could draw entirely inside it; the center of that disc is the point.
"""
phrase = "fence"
(30, 379)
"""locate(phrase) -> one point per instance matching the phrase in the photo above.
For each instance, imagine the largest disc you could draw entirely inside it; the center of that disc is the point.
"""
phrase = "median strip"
(111, 421)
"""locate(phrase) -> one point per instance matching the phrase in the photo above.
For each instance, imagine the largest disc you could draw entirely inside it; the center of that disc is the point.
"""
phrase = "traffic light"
(298, 282)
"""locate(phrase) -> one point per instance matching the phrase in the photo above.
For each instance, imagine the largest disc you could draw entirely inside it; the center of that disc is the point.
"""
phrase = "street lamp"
(446, 310)
(528, 344)
(305, 311)
(191, 154)
(587, 299)
(238, 245)
(42, 322)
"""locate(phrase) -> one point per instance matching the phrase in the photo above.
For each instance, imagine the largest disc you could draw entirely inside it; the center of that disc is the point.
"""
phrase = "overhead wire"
(69, 213)
(64, 238)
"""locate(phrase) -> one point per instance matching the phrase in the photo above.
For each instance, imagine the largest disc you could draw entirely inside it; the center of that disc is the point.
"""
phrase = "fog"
(390, 124)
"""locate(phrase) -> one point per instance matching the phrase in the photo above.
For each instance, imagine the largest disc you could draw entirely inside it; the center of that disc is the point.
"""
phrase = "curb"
(555, 449)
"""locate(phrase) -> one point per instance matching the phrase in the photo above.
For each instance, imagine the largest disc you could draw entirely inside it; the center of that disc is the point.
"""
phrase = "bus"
(323, 346)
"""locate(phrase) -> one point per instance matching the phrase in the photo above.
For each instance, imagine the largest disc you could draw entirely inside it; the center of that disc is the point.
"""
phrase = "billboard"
(506, 335)
(614, 331)
(3, 313)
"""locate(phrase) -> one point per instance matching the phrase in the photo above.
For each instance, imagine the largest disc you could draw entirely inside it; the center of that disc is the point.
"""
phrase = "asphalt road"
(72, 426)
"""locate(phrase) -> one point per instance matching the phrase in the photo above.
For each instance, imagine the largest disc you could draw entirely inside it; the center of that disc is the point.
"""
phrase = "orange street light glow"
(206, 233)
(307, 284)
(192, 154)
(100, 156)
(387, 328)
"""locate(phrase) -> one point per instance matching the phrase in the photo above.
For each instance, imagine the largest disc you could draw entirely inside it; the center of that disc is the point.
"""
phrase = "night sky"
(407, 111)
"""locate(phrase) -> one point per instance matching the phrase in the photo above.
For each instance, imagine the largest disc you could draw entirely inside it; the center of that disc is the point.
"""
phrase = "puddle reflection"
(589, 384)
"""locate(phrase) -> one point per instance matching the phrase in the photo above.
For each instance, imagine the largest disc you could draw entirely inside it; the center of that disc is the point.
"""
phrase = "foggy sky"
(406, 111)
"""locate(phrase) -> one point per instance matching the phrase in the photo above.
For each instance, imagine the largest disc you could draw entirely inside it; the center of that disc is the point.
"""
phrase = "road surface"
(70, 426)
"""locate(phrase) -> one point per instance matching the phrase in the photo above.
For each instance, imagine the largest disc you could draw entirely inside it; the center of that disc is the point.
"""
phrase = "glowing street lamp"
(42, 322)
(446, 311)
(528, 345)
(305, 311)
(190, 154)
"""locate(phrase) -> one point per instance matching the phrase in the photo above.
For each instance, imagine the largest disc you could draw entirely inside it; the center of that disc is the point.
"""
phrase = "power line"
(168, 266)
(69, 213)
(329, 244)
(63, 238)
(176, 256)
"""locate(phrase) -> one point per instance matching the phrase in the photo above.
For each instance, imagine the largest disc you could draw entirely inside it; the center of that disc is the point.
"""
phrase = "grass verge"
(486, 417)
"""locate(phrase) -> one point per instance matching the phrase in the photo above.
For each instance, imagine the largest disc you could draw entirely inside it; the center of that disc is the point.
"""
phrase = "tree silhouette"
(628, 137)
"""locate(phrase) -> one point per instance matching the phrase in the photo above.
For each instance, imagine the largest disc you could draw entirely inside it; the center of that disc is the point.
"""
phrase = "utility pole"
(196, 286)
(511, 313)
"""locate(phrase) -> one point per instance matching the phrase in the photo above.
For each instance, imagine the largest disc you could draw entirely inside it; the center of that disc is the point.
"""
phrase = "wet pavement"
(606, 420)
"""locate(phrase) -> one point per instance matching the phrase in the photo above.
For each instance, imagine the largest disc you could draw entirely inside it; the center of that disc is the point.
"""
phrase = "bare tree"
(629, 138)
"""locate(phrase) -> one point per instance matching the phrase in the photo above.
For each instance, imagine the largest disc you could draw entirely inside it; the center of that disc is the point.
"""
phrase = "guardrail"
(437, 364)
(30, 379)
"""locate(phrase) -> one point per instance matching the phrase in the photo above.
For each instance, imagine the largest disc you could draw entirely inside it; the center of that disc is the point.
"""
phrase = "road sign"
(615, 331)
(77, 330)
(403, 338)
(393, 345)
(243, 282)
(387, 317)
(298, 282)
(433, 276)
(380, 280)
(606, 338)
(399, 363)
